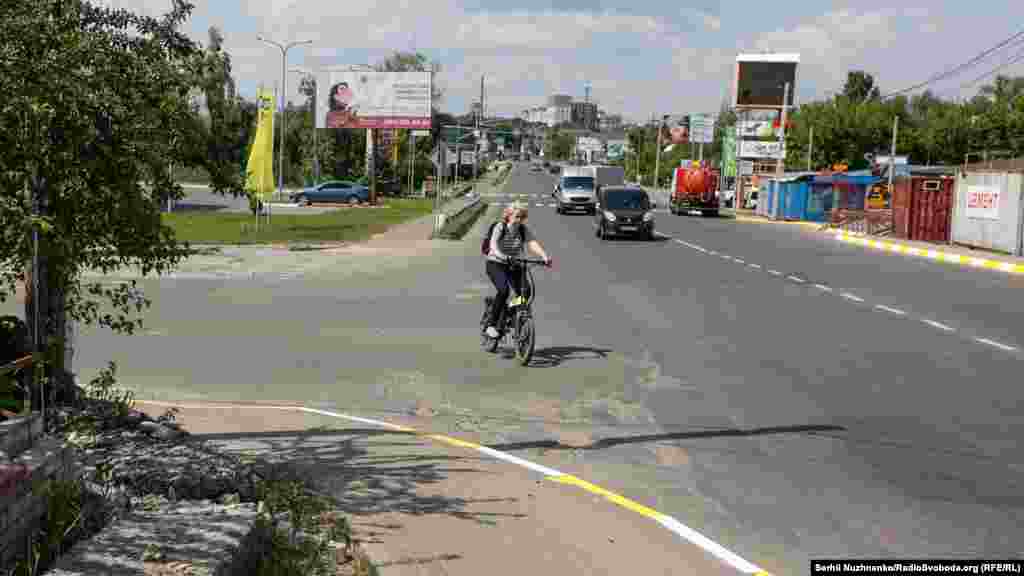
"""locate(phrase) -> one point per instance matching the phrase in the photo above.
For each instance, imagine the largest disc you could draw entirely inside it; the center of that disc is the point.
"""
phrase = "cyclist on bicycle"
(508, 239)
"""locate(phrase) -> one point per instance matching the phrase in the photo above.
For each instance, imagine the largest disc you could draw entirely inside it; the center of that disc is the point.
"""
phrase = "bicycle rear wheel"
(525, 338)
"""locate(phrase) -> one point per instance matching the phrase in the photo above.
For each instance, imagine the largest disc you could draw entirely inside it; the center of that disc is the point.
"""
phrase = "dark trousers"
(502, 276)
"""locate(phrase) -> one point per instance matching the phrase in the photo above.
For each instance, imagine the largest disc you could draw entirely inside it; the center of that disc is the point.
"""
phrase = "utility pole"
(810, 149)
(892, 154)
(284, 96)
(780, 166)
(657, 154)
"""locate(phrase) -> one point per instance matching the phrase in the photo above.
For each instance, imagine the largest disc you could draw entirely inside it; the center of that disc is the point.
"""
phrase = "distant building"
(584, 114)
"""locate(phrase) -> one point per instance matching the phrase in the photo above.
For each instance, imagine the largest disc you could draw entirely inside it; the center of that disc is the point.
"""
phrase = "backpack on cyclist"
(485, 242)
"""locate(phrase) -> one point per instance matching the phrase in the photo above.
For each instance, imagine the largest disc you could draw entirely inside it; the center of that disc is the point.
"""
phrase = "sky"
(641, 57)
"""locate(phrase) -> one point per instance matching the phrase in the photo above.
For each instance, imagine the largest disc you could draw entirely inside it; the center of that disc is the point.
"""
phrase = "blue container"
(795, 207)
(778, 208)
(819, 201)
(771, 194)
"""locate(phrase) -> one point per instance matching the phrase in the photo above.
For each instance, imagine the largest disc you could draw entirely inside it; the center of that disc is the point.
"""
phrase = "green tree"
(860, 86)
(99, 102)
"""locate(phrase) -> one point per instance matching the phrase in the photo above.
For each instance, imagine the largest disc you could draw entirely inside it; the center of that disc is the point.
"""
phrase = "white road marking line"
(738, 261)
(725, 257)
(896, 311)
(823, 288)
(853, 297)
(999, 345)
(539, 205)
(712, 252)
(795, 279)
(938, 325)
(755, 266)
(775, 272)
(552, 205)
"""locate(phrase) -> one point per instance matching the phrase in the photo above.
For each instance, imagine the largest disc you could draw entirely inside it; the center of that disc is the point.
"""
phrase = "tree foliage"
(99, 104)
(931, 130)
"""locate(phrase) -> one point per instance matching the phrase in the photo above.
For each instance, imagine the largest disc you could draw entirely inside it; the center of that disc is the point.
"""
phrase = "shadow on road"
(615, 441)
(558, 355)
(364, 471)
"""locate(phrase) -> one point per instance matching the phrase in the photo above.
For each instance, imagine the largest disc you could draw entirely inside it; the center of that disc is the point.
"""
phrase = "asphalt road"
(783, 415)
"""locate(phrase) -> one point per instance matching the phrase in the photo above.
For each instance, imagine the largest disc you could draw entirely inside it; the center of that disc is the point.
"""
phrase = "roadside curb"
(811, 225)
(550, 474)
(936, 255)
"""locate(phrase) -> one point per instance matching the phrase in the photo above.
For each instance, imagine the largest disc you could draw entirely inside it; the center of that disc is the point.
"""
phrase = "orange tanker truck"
(694, 188)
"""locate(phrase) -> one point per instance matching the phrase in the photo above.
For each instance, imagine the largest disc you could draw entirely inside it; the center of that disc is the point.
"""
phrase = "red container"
(922, 208)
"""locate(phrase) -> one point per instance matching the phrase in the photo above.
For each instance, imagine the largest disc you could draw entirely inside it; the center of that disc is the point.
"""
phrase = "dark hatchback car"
(624, 210)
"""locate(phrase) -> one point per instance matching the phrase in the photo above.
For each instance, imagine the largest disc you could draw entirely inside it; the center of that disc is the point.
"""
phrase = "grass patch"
(342, 225)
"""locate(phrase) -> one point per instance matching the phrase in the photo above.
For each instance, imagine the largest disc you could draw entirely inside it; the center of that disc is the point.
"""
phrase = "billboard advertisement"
(617, 149)
(702, 128)
(760, 129)
(589, 144)
(760, 79)
(761, 149)
(362, 99)
(677, 129)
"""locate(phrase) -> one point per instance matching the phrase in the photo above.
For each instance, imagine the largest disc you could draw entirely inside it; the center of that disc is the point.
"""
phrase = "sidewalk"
(949, 253)
(420, 507)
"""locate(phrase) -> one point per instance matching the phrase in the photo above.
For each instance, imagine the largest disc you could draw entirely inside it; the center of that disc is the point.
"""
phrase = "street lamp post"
(316, 149)
(284, 96)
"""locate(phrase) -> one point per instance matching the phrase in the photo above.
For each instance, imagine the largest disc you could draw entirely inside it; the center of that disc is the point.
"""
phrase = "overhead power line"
(1014, 39)
(1017, 58)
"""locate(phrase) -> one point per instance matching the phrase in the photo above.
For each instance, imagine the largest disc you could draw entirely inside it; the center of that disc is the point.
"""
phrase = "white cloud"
(520, 52)
(832, 44)
(712, 22)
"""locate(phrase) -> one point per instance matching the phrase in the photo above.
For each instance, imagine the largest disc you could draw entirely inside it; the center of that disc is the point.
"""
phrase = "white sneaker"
(491, 332)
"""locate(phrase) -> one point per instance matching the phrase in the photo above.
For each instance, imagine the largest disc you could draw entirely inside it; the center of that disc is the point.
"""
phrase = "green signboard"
(729, 154)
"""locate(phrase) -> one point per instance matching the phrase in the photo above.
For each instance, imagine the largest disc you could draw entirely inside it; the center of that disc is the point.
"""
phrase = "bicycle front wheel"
(486, 342)
(525, 338)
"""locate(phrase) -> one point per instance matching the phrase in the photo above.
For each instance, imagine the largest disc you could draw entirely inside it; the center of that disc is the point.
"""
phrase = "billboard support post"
(780, 166)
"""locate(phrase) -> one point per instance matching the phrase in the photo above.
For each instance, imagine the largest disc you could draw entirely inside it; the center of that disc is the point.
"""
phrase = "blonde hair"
(522, 209)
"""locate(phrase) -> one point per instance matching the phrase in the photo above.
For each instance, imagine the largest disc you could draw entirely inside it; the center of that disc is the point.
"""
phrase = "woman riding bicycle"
(508, 238)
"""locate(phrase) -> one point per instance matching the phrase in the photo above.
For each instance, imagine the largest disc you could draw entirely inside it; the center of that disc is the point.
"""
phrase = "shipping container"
(923, 208)
(988, 210)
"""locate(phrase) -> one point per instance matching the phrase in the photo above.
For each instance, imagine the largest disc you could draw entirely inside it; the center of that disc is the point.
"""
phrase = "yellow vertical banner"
(260, 168)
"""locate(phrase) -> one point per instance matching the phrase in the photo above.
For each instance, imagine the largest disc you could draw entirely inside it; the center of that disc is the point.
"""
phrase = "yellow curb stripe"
(608, 494)
(453, 441)
(936, 255)
(552, 474)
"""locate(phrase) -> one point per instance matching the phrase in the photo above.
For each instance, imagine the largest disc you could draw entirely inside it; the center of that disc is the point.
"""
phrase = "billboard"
(589, 144)
(677, 129)
(760, 79)
(617, 149)
(759, 129)
(762, 149)
(702, 128)
(362, 99)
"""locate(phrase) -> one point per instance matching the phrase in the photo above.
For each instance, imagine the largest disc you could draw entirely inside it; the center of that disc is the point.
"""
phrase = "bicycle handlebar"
(517, 260)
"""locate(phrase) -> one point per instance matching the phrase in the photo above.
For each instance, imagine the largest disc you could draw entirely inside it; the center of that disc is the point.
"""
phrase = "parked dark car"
(333, 191)
(624, 210)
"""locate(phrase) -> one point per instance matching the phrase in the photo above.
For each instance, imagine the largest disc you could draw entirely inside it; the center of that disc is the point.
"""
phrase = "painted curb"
(723, 554)
(938, 256)
(811, 225)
